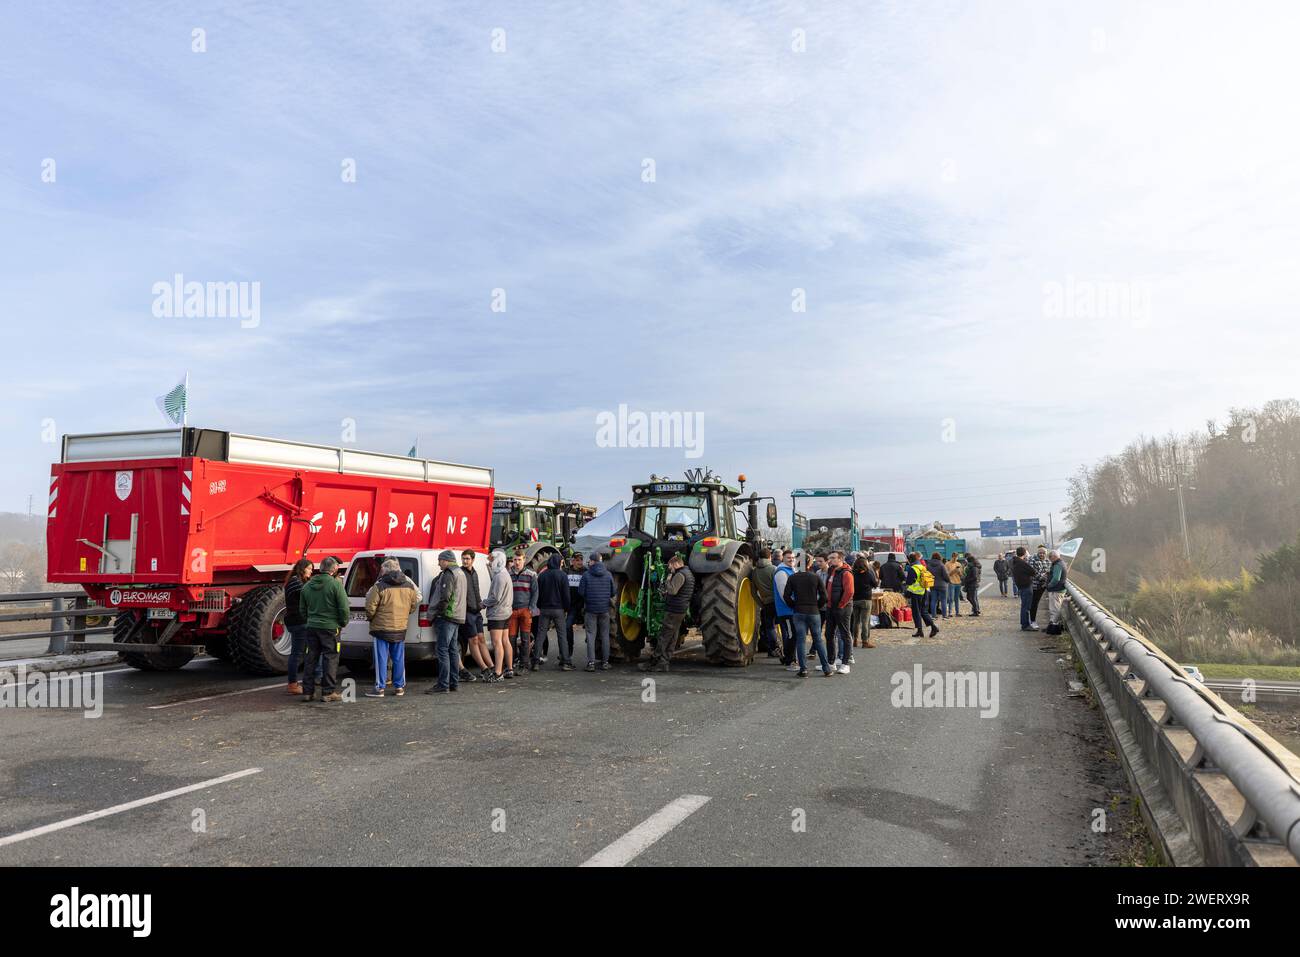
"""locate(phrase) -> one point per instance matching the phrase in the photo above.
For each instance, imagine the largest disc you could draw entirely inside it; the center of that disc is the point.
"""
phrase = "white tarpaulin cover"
(595, 535)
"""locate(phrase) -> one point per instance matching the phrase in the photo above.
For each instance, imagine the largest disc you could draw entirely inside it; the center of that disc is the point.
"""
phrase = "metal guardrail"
(1255, 768)
(67, 621)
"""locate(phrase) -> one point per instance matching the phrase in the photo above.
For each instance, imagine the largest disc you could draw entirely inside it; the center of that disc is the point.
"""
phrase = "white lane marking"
(647, 832)
(214, 697)
(78, 674)
(119, 808)
(981, 591)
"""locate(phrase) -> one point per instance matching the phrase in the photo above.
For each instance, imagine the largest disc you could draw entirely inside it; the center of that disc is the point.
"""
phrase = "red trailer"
(190, 532)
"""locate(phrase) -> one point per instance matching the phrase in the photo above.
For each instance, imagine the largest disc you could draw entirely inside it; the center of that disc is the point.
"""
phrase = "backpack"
(926, 576)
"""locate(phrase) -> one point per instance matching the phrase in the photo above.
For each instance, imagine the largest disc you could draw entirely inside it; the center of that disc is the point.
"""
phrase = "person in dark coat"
(296, 623)
(1022, 573)
(864, 582)
(971, 583)
(1002, 570)
(577, 611)
(553, 601)
(937, 599)
(596, 590)
(677, 590)
(892, 574)
(805, 593)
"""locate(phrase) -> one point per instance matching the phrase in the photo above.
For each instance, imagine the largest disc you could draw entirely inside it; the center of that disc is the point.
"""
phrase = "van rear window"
(364, 572)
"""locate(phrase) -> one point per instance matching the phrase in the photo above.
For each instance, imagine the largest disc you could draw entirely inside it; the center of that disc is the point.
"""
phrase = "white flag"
(176, 403)
(1071, 548)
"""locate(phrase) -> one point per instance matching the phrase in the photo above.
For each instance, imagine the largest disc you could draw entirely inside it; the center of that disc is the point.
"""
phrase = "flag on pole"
(411, 454)
(176, 403)
(1071, 548)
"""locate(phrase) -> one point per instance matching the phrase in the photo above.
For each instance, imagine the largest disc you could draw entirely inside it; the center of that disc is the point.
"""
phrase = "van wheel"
(256, 635)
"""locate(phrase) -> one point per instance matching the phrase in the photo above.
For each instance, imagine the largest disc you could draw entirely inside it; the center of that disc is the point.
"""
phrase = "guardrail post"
(58, 634)
(79, 622)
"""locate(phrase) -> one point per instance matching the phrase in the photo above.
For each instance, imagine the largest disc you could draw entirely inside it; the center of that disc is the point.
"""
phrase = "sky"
(942, 253)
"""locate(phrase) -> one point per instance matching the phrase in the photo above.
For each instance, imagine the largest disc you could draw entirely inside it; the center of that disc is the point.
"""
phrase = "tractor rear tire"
(728, 614)
(255, 644)
(628, 633)
(539, 559)
(128, 630)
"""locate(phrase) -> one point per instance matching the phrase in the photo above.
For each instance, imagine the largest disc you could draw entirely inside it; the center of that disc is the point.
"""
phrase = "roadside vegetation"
(1230, 593)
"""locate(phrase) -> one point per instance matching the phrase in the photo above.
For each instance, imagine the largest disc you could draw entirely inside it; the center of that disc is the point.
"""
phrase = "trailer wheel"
(217, 646)
(127, 629)
(256, 636)
(729, 614)
(628, 633)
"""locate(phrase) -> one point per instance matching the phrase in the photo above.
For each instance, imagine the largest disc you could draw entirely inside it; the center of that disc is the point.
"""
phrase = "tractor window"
(538, 518)
(364, 572)
(501, 527)
(675, 517)
(727, 521)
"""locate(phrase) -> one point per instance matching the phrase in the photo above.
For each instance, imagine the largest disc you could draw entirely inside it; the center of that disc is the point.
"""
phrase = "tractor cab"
(679, 516)
(537, 526)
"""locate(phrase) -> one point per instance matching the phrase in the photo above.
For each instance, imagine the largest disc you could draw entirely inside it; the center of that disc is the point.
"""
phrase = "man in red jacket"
(839, 608)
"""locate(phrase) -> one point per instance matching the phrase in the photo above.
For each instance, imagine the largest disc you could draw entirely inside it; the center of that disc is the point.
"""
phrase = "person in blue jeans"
(447, 600)
(1022, 575)
(784, 613)
(805, 594)
(391, 602)
(296, 624)
(937, 597)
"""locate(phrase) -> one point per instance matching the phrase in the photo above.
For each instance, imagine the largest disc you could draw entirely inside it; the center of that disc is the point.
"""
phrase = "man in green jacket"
(762, 576)
(324, 604)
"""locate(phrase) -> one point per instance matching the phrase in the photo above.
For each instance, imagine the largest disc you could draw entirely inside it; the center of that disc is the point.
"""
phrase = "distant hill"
(26, 529)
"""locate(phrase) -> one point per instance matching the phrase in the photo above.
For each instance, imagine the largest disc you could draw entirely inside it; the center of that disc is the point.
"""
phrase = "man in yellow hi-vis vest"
(916, 586)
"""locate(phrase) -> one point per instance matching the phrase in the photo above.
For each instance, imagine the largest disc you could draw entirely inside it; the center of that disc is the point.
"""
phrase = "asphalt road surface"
(725, 766)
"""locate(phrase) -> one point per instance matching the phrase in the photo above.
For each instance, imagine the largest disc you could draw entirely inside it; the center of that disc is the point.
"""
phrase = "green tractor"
(541, 527)
(695, 518)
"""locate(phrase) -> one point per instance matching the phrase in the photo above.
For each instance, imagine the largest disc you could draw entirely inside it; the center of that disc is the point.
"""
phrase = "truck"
(878, 539)
(540, 526)
(187, 534)
(946, 547)
(935, 537)
(696, 519)
(824, 534)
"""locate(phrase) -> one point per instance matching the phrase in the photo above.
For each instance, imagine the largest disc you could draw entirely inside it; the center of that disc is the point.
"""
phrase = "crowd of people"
(809, 604)
(492, 636)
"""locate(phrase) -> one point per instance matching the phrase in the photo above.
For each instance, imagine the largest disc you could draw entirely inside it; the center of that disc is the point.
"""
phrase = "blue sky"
(922, 171)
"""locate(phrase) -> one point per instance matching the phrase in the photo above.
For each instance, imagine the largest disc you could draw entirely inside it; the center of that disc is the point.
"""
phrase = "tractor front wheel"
(629, 633)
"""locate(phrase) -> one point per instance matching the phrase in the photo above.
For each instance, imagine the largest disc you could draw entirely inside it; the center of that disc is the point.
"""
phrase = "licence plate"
(156, 613)
(359, 616)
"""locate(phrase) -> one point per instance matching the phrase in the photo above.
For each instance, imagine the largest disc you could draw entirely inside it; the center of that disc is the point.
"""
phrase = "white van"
(882, 557)
(421, 566)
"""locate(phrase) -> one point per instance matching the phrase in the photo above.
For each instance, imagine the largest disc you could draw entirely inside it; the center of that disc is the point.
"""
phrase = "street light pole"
(1182, 515)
